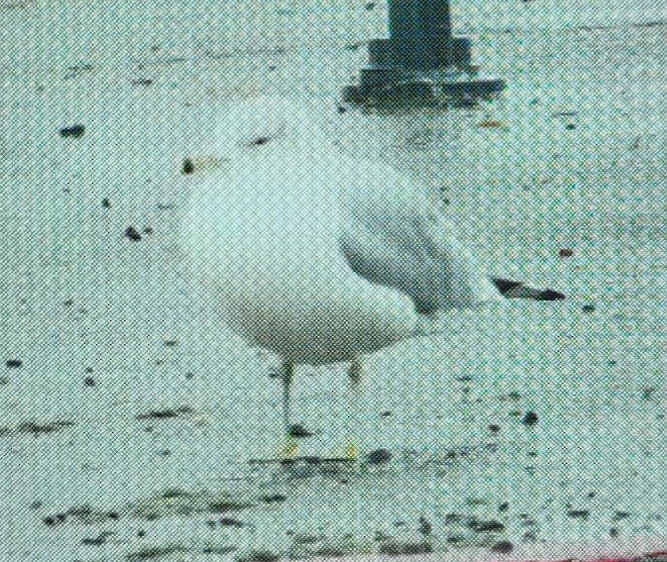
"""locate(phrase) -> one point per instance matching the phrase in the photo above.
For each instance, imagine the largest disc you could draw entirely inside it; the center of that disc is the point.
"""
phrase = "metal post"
(420, 31)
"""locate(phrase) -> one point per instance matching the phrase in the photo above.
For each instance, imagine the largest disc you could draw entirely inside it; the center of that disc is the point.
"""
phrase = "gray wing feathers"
(393, 235)
(418, 254)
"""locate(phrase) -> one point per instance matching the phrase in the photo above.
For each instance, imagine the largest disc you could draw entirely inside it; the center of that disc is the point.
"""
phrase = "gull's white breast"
(264, 235)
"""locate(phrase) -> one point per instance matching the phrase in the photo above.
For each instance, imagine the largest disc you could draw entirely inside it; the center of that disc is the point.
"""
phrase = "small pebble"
(188, 167)
(588, 308)
(132, 234)
(75, 131)
(99, 540)
(379, 456)
(578, 513)
(565, 253)
(142, 82)
(530, 418)
(503, 547)
(13, 363)
(619, 515)
(106, 204)
(453, 518)
(89, 381)
(273, 498)
(425, 526)
(487, 526)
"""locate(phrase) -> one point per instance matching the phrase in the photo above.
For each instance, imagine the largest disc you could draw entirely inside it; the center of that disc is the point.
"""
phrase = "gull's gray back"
(394, 235)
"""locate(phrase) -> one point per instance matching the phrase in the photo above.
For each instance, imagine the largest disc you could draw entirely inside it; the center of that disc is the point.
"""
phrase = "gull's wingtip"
(517, 290)
(551, 295)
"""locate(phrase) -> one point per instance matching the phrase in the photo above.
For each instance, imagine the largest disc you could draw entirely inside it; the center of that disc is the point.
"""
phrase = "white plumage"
(313, 254)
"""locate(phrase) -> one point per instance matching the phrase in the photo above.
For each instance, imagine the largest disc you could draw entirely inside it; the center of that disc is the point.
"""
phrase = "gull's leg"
(291, 447)
(354, 375)
(287, 375)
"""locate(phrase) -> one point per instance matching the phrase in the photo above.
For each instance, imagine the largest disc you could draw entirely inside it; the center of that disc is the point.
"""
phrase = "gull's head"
(261, 126)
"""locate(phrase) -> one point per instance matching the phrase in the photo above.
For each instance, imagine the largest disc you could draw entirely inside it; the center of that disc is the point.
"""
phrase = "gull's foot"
(289, 450)
(352, 451)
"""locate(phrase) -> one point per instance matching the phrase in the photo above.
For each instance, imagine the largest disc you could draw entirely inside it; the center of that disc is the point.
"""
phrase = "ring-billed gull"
(317, 256)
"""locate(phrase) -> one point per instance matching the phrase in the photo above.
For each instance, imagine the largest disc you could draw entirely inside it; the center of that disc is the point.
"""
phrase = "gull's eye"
(259, 141)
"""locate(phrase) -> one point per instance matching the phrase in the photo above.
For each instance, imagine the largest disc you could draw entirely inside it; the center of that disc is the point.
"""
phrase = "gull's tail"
(517, 290)
(509, 289)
